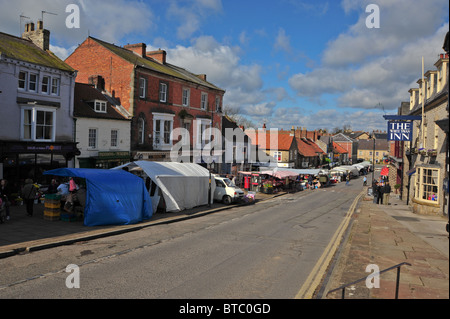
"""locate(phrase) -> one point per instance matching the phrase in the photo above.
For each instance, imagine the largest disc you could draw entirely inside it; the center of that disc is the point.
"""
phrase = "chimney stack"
(40, 37)
(138, 48)
(158, 55)
(98, 81)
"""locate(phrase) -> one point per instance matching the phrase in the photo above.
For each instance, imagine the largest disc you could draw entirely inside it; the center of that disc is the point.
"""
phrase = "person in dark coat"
(53, 187)
(380, 190)
(375, 191)
(29, 192)
(386, 193)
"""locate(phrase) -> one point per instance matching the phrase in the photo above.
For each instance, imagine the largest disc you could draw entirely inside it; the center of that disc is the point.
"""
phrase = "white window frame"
(278, 156)
(55, 86)
(34, 125)
(425, 183)
(100, 106)
(218, 103)
(163, 92)
(204, 101)
(141, 131)
(92, 138)
(35, 82)
(201, 126)
(23, 81)
(159, 141)
(186, 97)
(114, 138)
(142, 87)
(48, 84)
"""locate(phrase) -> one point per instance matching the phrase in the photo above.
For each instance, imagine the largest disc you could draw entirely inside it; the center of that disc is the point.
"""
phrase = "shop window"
(427, 185)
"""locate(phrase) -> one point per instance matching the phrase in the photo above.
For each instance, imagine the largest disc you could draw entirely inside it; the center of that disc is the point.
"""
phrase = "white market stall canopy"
(346, 169)
(183, 185)
(291, 172)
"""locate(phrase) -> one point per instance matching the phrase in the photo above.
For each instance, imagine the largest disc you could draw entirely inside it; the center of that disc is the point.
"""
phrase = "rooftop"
(24, 50)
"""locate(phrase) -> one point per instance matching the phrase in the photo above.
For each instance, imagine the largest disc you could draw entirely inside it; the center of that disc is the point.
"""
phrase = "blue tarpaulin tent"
(113, 197)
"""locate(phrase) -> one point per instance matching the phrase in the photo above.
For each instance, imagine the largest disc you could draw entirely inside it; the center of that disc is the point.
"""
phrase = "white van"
(226, 191)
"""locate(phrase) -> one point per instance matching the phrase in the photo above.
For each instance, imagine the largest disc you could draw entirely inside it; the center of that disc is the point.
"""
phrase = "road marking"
(316, 275)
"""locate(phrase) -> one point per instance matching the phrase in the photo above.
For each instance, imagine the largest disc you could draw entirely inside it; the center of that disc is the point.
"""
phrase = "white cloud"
(365, 67)
(190, 16)
(221, 63)
(107, 20)
(282, 41)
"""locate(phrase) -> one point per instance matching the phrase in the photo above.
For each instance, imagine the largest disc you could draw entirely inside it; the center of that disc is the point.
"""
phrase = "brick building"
(159, 96)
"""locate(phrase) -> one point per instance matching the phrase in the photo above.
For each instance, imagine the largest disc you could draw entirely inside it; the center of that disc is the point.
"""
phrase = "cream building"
(425, 157)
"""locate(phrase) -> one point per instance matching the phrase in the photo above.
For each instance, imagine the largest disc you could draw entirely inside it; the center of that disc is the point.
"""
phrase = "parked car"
(226, 191)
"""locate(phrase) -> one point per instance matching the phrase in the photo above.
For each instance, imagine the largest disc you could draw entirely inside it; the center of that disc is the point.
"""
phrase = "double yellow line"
(316, 275)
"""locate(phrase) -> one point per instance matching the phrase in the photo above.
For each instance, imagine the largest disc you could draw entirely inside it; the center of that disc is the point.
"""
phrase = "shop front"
(21, 160)
(105, 160)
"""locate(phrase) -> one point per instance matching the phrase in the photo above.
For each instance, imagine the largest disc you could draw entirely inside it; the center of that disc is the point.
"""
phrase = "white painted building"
(102, 128)
(36, 107)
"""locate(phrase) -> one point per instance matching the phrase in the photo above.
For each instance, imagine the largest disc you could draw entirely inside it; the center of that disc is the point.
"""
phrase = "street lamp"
(373, 157)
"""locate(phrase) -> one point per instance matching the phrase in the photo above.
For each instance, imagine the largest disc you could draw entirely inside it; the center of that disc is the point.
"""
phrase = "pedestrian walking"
(29, 192)
(365, 181)
(5, 195)
(386, 193)
(347, 180)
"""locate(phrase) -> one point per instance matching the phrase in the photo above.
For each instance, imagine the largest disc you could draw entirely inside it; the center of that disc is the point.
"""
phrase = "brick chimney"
(97, 81)
(158, 55)
(40, 37)
(138, 48)
(202, 77)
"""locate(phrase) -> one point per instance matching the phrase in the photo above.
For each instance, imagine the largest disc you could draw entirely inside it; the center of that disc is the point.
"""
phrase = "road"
(273, 250)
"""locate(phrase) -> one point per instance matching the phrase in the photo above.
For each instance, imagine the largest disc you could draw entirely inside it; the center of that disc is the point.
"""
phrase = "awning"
(384, 171)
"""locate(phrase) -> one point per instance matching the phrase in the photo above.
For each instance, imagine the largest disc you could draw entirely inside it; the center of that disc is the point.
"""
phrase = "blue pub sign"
(400, 131)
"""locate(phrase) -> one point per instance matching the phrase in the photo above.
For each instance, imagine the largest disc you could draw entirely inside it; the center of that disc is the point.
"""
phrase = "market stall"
(180, 185)
(113, 197)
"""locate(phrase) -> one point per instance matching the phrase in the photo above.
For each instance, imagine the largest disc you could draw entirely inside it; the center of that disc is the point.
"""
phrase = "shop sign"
(400, 131)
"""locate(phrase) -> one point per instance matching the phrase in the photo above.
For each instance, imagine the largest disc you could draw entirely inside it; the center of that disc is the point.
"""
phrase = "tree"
(239, 119)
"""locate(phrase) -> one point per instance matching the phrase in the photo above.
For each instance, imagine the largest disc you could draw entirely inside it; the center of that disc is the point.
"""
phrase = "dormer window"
(100, 106)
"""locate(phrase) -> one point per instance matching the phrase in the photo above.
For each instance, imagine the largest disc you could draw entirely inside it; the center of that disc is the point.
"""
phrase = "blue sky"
(285, 63)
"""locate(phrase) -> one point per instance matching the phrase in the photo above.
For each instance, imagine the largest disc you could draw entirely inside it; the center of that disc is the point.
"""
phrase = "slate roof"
(153, 65)
(380, 145)
(84, 97)
(25, 50)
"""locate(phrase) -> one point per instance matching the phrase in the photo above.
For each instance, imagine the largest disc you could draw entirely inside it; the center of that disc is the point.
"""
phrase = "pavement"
(381, 235)
(386, 236)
